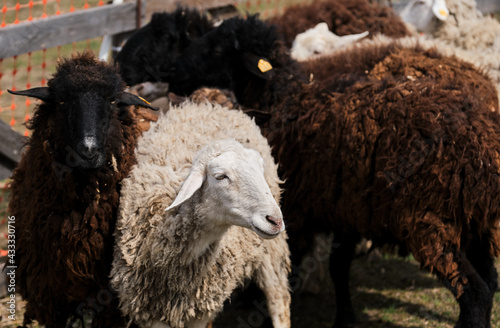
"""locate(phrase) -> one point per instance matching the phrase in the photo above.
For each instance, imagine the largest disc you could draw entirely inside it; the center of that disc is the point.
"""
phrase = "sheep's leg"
(474, 296)
(477, 299)
(340, 264)
(199, 323)
(159, 324)
(275, 287)
(435, 245)
(484, 263)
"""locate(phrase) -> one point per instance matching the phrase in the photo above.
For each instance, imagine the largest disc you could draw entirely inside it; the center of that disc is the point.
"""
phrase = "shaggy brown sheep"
(342, 16)
(65, 191)
(394, 143)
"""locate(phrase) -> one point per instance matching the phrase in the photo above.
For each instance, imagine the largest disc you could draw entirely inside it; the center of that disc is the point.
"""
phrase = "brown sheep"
(342, 16)
(65, 191)
(394, 143)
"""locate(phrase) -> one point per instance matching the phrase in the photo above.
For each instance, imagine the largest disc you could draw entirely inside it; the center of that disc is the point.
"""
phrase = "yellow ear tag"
(264, 65)
(443, 13)
(144, 100)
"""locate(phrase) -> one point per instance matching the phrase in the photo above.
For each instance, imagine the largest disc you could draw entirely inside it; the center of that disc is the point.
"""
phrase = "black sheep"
(394, 143)
(149, 53)
(65, 192)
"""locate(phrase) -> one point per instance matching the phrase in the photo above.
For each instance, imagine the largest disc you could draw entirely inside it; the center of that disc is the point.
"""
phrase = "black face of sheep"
(87, 102)
(150, 52)
(219, 56)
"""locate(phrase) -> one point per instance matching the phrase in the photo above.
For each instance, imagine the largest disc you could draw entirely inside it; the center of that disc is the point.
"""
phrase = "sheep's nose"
(278, 223)
(88, 148)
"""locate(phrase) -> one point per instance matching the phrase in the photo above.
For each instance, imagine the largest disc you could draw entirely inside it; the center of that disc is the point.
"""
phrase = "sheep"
(344, 17)
(65, 190)
(149, 52)
(466, 27)
(180, 253)
(394, 143)
(424, 14)
(466, 32)
(319, 41)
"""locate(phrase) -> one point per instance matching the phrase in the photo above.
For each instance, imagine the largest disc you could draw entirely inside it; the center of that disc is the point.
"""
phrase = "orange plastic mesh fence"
(31, 69)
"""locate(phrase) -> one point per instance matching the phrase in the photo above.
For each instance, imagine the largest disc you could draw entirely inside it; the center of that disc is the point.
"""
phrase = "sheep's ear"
(323, 27)
(258, 65)
(130, 99)
(192, 183)
(41, 93)
(176, 99)
(440, 10)
(351, 38)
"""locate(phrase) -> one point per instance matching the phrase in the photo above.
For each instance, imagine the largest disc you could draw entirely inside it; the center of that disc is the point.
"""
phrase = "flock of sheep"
(138, 219)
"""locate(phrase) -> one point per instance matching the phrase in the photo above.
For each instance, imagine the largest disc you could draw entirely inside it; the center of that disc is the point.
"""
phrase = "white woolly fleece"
(467, 28)
(151, 271)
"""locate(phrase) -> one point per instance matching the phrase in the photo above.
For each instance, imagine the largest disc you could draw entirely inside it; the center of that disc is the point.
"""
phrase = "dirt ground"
(388, 292)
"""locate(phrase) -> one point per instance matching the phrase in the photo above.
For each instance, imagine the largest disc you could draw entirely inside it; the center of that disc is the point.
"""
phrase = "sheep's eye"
(221, 177)
(61, 103)
(113, 102)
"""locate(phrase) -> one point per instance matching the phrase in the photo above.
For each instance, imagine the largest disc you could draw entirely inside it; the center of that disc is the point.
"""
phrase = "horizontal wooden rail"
(170, 5)
(11, 143)
(67, 28)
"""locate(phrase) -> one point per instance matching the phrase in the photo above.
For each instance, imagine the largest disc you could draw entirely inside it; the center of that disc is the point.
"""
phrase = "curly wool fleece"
(154, 279)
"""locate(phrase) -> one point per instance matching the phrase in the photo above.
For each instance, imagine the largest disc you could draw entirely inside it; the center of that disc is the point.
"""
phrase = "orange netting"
(31, 69)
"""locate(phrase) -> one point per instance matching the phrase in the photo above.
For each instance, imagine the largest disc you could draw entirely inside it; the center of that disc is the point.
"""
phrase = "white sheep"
(319, 40)
(425, 14)
(466, 27)
(181, 251)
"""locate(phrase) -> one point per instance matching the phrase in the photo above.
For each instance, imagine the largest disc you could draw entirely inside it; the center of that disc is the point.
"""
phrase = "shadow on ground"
(383, 295)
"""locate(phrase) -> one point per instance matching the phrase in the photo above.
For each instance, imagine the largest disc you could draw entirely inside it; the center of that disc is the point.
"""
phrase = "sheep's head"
(320, 41)
(84, 95)
(234, 51)
(234, 189)
(148, 55)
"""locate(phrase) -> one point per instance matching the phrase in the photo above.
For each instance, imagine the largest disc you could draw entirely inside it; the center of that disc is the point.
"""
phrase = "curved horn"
(130, 99)
(41, 93)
